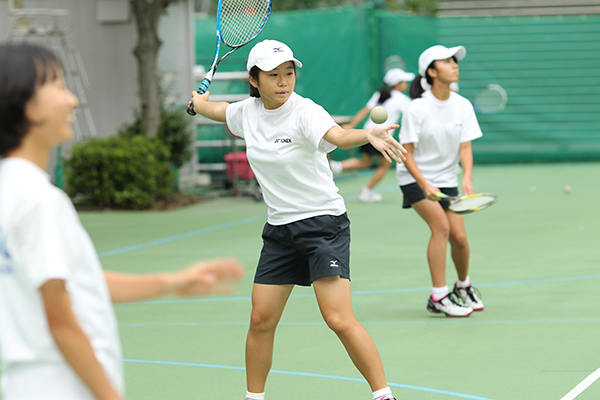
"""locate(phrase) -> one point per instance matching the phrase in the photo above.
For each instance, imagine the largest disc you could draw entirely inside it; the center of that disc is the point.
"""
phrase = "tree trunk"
(147, 14)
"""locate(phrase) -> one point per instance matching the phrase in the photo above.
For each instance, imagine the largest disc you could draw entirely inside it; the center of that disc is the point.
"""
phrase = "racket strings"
(473, 203)
(491, 99)
(241, 20)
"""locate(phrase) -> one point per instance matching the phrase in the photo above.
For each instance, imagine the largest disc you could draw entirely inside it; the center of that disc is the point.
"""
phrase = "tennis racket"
(394, 61)
(238, 23)
(490, 100)
(469, 203)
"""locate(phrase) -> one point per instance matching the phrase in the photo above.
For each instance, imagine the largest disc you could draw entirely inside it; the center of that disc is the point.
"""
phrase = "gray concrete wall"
(106, 50)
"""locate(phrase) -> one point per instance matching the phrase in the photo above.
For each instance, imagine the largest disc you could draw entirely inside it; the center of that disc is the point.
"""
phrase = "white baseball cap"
(439, 53)
(268, 54)
(395, 75)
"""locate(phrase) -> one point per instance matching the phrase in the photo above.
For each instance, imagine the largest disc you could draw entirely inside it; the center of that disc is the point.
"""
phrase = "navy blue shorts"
(413, 193)
(301, 252)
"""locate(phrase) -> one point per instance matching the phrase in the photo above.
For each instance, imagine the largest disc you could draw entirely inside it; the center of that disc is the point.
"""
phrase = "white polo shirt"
(437, 128)
(396, 105)
(287, 153)
(41, 238)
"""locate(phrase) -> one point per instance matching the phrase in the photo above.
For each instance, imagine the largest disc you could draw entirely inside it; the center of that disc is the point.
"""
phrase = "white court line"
(583, 385)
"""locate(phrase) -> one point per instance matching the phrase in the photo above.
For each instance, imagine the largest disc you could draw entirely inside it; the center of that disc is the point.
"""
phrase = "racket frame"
(455, 199)
(216, 61)
(497, 109)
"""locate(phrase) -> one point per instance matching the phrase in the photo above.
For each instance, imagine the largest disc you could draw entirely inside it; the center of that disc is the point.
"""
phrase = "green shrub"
(174, 130)
(119, 172)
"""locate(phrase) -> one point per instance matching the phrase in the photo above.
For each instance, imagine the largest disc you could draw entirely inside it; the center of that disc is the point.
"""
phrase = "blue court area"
(535, 259)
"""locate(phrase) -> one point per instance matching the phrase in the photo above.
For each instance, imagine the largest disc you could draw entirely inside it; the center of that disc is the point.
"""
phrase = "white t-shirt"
(437, 128)
(287, 153)
(41, 238)
(396, 105)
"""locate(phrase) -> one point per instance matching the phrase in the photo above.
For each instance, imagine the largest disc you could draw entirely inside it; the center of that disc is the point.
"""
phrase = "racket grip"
(201, 90)
(190, 110)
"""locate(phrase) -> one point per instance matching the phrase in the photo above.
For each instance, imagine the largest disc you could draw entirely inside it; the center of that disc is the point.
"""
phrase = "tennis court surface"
(535, 259)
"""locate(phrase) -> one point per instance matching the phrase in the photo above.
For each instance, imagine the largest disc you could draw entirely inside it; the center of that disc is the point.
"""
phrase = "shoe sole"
(436, 311)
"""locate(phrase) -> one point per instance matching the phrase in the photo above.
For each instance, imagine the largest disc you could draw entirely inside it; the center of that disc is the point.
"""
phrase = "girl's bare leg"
(335, 303)
(268, 302)
(433, 213)
(459, 245)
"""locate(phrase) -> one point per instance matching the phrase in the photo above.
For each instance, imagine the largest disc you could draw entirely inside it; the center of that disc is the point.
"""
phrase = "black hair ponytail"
(385, 93)
(416, 90)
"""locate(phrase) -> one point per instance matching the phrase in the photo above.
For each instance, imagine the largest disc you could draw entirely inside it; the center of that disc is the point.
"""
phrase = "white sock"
(336, 166)
(463, 284)
(382, 393)
(255, 396)
(439, 292)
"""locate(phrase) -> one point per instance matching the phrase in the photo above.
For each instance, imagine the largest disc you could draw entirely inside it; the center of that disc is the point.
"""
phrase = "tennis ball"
(567, 189)
(379, 115)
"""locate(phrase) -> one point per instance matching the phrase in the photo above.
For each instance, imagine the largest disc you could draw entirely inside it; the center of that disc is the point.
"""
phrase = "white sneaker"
(470, 297)
(368, 196)
(449, 306)
(336, 167)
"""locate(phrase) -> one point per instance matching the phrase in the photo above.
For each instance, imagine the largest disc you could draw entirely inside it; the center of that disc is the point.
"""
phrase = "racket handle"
(201, 90)
(190, 110)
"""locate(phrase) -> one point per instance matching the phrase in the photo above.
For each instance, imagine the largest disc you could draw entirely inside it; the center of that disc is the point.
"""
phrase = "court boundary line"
(210, 229)
(444, 321)
(363, 292)
(582, 386)
(307, 374)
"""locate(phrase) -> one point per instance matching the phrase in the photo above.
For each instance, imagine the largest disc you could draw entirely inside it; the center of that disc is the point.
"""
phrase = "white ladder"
(51, 26)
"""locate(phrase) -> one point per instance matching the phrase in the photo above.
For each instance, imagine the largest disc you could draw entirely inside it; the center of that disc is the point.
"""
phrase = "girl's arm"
(72, 341)
(429, 190)
(200, 278)
(466, 161)
(378, 137)
(360, 115)
(211, 110)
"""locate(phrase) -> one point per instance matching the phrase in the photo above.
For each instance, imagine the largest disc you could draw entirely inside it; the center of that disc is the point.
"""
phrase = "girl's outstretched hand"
(380, 138)
(206, 277)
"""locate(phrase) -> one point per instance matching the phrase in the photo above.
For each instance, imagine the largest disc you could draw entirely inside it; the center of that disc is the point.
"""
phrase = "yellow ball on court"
(379, 115)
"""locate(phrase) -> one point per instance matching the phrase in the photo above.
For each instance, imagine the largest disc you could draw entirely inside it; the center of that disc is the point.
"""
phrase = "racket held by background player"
(469, 203)
(490, 100)
(238, 23)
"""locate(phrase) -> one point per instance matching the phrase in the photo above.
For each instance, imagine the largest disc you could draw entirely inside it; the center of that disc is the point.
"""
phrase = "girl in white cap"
(307, 236)
(437, 130)
(391, 97)
(59, 338)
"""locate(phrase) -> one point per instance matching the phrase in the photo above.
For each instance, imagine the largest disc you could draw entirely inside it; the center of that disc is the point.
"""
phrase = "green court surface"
(535, 259)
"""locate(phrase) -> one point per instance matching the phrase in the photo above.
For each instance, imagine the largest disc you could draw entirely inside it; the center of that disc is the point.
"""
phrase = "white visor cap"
(269, 54)
(395, 75)
(439, 52)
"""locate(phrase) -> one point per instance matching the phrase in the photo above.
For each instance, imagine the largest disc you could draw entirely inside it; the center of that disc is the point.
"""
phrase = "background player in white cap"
(307, 236)
(391, 97)
(437, 130)
(58, 332)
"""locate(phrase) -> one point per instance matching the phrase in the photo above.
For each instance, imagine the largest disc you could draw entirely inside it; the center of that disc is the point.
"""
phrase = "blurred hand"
(206, 277)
